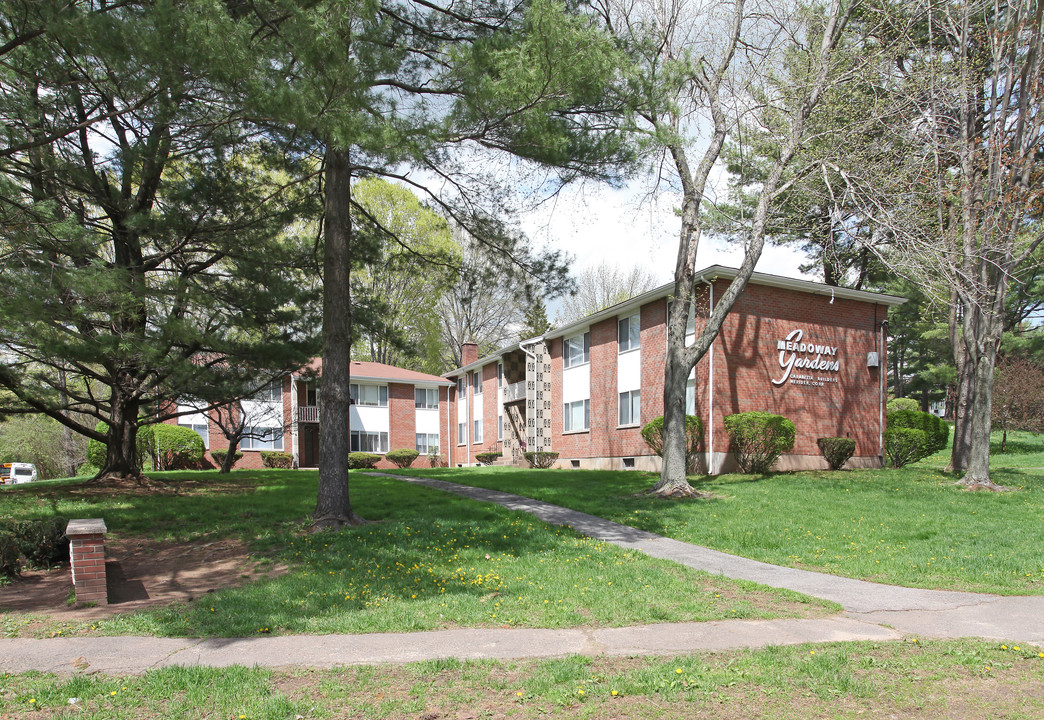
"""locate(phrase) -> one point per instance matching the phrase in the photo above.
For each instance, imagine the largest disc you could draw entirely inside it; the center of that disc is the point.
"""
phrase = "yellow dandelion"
(614, 693)
(519, 693)
(679, 671)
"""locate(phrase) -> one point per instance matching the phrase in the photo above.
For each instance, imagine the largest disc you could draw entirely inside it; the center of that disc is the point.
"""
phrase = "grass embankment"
(962, 680)
(910, 526)
(429, 560)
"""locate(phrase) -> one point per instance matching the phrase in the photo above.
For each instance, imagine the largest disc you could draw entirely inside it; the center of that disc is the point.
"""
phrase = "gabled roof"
(379, 372)
(709, 274)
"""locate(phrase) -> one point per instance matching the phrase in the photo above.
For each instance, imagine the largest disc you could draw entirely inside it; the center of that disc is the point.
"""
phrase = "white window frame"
(201, 429)
(631, 401)
(576, 350)
(357, 437)
(476, 382)
(422, 398)
(425, 443)
(629, 333)
(477, 433)
(250, 441)
(270, 393)
(356, 392)
(567, 416)
(500, 375)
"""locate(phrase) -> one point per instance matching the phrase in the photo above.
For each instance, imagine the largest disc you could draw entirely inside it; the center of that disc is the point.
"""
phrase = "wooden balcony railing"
(308, 414)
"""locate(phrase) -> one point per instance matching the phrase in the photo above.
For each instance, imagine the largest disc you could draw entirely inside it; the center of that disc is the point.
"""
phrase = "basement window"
(574, 463)
(628, 463)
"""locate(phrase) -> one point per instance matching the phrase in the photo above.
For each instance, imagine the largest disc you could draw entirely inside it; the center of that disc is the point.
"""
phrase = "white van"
(16, 473)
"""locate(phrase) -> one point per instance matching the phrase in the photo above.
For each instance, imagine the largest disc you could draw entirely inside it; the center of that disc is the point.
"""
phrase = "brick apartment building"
(812, 353)
(391, 408)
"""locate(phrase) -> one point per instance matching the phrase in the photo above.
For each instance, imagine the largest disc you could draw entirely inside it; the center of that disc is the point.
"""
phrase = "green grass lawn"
(428, 560)
(926, 679)
(910, 526)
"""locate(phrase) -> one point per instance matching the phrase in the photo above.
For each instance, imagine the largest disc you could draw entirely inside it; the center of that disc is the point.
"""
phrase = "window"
(500, 375)
(462, 433)
(500, 427)
(426, 398)
(631, 407)
(311, 394)
(478, 431)
(262, 438)
(577, 415)
(427, 443)
(577, 350)
(272, 392)
(369, 395)
(200, 429)
(690, 397)
(630, 336)
(462, 387)
(362, 441)
(476, 382)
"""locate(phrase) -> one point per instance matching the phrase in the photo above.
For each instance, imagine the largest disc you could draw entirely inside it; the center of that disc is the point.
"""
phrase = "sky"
(625, 227)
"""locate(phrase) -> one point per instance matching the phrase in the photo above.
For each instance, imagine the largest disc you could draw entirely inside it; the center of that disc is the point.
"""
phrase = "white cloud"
(628, 227)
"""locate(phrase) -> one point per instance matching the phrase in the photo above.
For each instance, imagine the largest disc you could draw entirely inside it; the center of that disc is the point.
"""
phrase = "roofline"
(404, 381)
(716, 272)
(708, 274)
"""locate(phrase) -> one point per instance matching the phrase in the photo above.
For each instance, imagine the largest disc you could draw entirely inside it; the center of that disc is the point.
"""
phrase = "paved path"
(871, 612)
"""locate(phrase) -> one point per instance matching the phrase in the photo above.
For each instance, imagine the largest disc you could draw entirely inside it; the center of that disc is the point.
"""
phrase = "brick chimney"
(468, 353)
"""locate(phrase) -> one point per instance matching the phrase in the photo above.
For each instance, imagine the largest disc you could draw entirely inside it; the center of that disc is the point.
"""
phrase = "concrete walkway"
(871, 612)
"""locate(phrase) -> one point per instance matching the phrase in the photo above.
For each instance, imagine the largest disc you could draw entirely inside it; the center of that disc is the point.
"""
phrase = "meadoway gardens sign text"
(797, 355)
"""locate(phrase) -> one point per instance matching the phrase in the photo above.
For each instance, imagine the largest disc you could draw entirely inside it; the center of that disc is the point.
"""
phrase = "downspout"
(710, 387)
(882, 371)
(449, 445)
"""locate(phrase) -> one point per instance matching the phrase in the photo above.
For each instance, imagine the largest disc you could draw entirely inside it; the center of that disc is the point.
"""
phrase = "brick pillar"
(87, 556)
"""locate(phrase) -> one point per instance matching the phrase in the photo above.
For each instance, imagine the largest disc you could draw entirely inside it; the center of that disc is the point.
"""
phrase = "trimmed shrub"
(541, 460)
(219, 456)
(403, 457)
(488, 458)
(96, 450)
(758, 439)
(176, 447)
(905, 445)
(8, 554)
(652, 433)
(436, 459)
(902, 404)
(836, 450)
(277, 459)
(362, 461)
(936, 432)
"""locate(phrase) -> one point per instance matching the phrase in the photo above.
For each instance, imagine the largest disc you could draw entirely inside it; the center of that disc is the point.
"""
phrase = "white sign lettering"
(795, 354)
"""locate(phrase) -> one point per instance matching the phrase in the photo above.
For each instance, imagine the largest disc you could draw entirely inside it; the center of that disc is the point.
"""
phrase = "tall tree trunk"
(961, 449)
(333, 507)
(121, 449)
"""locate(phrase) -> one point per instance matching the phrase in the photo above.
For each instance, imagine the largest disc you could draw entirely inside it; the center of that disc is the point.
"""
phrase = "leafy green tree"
(408, 274)
(691, 73)
(395, 86)
(144, 223)
(959, 193)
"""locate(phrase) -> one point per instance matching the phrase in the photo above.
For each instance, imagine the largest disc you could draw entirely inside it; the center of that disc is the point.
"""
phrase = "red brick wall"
(764, 315)
(745, 363)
